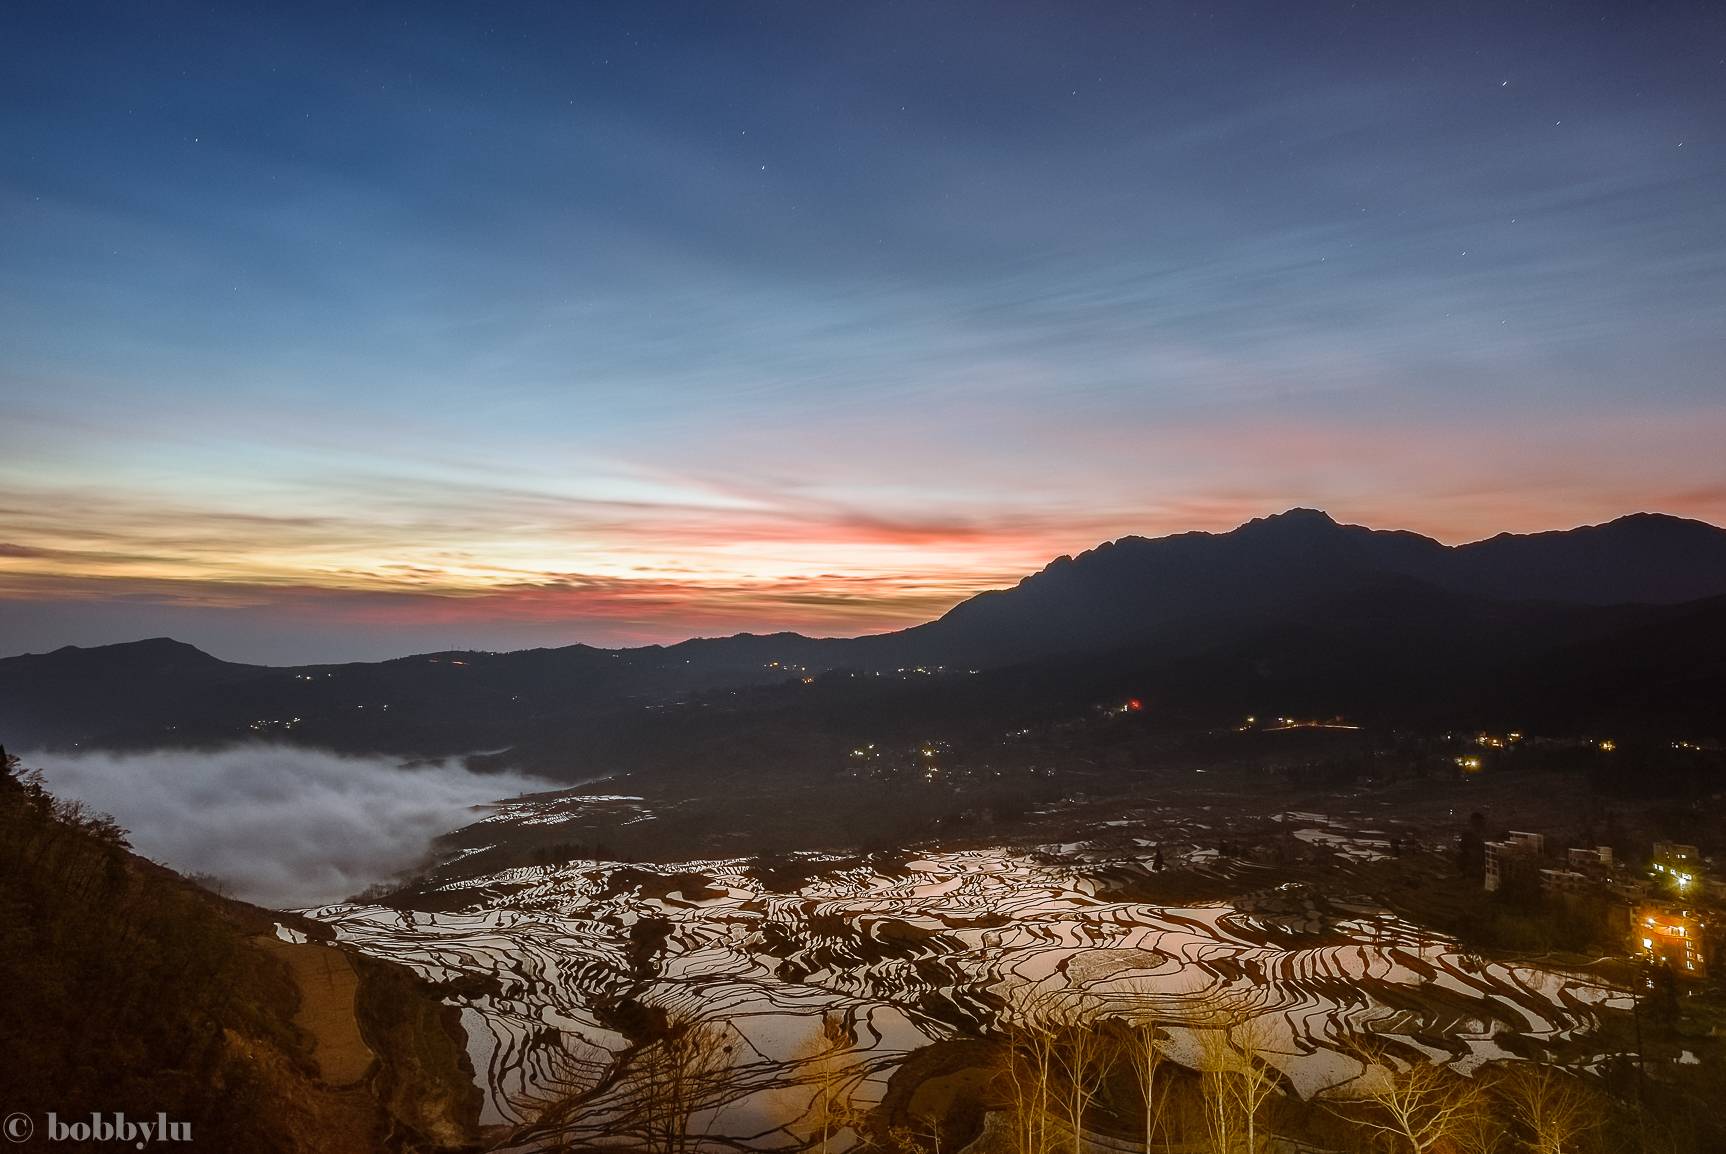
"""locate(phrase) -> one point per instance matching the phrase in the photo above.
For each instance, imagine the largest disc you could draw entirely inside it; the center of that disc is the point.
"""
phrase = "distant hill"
(160, 692)
(1297, 598)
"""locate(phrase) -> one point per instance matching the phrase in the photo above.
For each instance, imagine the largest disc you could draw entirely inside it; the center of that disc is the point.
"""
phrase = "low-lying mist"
(280, 826)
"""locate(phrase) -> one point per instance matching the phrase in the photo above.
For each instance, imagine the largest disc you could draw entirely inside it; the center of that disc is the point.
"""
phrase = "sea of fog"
(279, 825)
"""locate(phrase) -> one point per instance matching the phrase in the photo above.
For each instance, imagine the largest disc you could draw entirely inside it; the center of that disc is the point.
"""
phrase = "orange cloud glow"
(671, 556)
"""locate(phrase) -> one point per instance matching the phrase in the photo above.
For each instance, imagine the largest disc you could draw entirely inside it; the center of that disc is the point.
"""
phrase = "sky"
(332, 332)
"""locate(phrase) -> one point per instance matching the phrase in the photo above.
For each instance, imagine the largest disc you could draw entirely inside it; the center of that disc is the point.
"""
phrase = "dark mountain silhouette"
(1404, 653)
(1135, 588)
(1392, 654)
(154, 655)
(160, 692)
(1294, 603)
(1646, 557)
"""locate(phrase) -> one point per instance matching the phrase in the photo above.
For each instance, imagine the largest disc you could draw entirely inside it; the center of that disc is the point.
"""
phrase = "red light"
(1134, 704)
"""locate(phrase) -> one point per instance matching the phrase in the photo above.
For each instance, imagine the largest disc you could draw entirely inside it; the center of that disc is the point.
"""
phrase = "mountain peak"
(155, 645)
(1302, 513)
(1661, 523)
(1296, 519)
(146, 652)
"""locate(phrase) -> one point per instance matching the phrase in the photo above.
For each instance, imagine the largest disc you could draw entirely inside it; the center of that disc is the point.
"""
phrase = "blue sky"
(348, 330)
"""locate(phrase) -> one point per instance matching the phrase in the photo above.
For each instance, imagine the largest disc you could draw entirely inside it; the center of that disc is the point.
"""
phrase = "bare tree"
(1141, 1046)
(829, 1065)
(923, 1136)
(1216, 1067)
(1055, 1062)
(1028, 1071)
(688, 1068)
(572, 1071)
(1418, 1106)
(1236, 1081)
(1480, 1130)
(1084, 1053)
(1556, 1110)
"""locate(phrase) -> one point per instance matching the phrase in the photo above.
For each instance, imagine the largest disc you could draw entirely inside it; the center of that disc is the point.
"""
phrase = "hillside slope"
(130, 989)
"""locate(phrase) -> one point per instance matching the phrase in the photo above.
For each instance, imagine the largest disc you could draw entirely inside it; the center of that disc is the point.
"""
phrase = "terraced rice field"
(940, 947)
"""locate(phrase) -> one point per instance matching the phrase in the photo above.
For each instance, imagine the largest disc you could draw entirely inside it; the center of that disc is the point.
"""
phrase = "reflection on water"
(940, 948)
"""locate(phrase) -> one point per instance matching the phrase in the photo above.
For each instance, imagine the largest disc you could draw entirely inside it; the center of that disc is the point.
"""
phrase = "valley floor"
(931, 948)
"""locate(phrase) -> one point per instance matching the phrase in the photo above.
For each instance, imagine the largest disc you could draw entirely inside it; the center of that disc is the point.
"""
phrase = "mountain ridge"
(1187, 591)
(1704, 537)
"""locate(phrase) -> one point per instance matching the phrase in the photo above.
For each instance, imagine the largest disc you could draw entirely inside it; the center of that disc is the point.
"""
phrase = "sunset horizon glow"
(834, 578)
